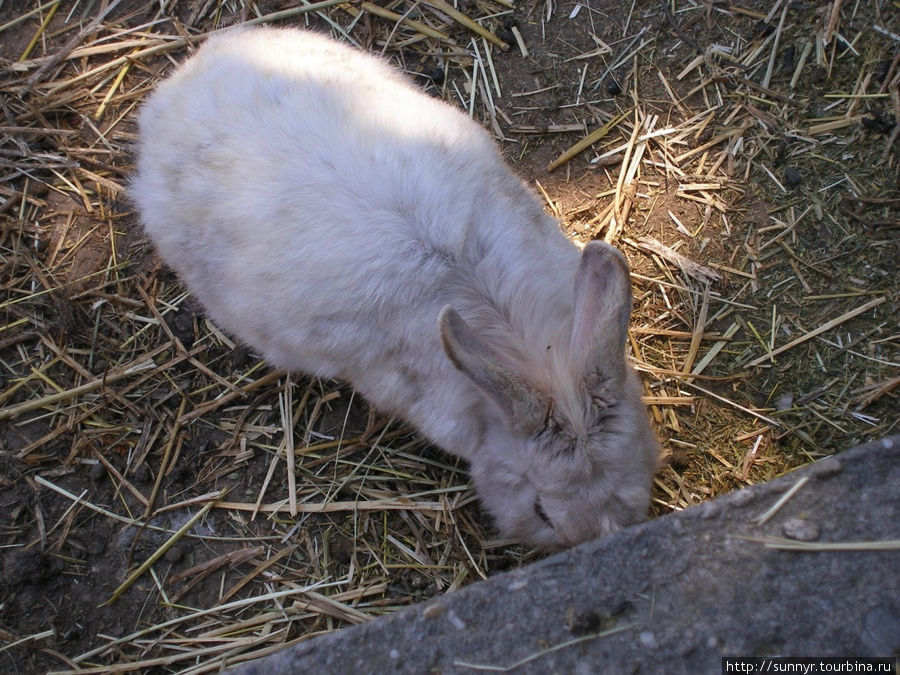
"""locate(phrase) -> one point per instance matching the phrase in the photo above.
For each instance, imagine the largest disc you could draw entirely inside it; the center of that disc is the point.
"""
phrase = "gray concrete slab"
(672, 595)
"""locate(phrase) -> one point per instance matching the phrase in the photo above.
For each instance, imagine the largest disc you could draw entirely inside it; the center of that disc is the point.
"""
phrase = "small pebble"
(506, 35)
(613, 88)
(433, 611)
(710, 510)
(505, 32)
(785, 402)
(182, 325)
(436, 74)
(800, 529)
(874, 121)
(518, 585)
(827, 467)
(648, 639)
(455, 620)
(742, 497)
(792, 177)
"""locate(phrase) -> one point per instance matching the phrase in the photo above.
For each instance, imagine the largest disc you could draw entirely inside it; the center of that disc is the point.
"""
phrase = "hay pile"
(743, 156)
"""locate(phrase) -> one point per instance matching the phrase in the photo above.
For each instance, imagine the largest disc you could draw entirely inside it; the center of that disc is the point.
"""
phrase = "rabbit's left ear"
(525, 406)
(600, 318)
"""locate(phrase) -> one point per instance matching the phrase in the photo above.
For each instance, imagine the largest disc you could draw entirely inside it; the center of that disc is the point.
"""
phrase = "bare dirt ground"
(748, 171)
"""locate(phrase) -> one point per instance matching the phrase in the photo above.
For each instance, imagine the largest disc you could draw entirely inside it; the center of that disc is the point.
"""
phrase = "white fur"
(324, 211)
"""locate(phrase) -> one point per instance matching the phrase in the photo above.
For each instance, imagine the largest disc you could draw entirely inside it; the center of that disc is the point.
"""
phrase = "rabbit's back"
(324, 210)
(275, 163)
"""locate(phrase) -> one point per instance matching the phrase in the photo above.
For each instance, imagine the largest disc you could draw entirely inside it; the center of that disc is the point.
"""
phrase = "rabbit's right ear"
(600, 318)
(526, 407)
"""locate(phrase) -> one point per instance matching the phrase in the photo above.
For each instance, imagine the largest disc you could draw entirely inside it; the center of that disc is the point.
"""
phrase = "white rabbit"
(345, 224)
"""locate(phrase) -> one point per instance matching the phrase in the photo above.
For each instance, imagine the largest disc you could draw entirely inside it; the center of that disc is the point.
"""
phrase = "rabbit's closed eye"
(539, 511)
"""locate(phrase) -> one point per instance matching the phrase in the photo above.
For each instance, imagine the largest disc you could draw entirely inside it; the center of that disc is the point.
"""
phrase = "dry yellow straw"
(586, 142)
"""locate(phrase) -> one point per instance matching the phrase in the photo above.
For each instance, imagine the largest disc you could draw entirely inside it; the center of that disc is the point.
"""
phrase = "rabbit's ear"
(600, 318)
(480, 363)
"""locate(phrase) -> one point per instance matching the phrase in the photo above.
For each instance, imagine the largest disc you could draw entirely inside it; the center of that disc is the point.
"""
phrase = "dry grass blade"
(73, 42)
(138, 365)
(697, 333)
(537, 655)
(259, 569)
(825, 327)
(36, 637)
(398, 504)
(236, 604)
(428, 31)
(586, 142)
(166, 460)
(731, 403)
(691, 268)
(822, 546)
(776, 507)
(461, 18)
(147, 564)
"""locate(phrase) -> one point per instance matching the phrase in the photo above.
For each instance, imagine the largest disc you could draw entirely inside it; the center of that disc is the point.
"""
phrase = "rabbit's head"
(571, 456)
